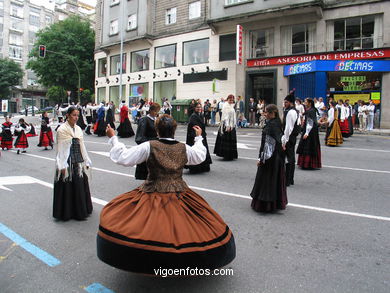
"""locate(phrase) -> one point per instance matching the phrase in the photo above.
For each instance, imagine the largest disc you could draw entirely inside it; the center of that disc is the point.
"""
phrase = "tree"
(10, 75)
(67, 42)
(85, 96)
(56, 94)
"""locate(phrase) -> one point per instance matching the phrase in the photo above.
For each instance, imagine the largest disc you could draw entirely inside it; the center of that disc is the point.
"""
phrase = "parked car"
(29, 111)
(47, 109)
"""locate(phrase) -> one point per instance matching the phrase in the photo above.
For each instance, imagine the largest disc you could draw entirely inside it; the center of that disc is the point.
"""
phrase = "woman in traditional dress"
(343, 118)
(309, 148)
(81, 120)
(21, 142)
(196, 119)
(162, 223)
(72, 198)
(124, 128)
(269, 191)
(333, 135)
(226, 142)
(32, 131)
(110, 114)
(100, 126)
(6, 134)
(46, 136)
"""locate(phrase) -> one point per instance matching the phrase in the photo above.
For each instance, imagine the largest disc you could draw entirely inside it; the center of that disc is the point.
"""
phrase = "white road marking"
(104, 154)
(101, 202)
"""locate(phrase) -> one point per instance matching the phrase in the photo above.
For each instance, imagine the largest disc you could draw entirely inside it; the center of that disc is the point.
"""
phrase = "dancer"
(72, 198)
(309, 148)
(291, 129)
(6, 134)
(333, 135)
(226, 142)
(269, 191)
(196, 119)
(146, 132)
(124, 128)
(46, 136)
(100, 126)
(81, 120)
(32, 131)
(343, 118)
(162, 223)
(110, 112)
(349, 117)
(21, 142)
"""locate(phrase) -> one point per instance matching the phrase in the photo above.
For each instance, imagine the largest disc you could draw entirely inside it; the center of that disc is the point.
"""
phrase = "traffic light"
(42, 51)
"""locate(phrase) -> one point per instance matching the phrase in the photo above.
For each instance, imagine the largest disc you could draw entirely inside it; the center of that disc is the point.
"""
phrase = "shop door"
(262, 86)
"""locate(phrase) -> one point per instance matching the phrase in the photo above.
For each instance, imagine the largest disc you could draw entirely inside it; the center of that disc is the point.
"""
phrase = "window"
(31, 37)
(132, 22)
(231, 2)
(15, 52)
(101, 94)
(196, 52)
(48, 19)
(227, 47)
(34, 19)
(102, 67)
(165, 56)
(114, 2)
(16, 11)
(262, 43)
(113, 27)
(164, 89)
(15, 39)
(140, 90)
(140, 60)
(170, 16)
(354, 33)
(298, 38)
(114, 94)
(115, 64)
(16, 24)
(194, 10)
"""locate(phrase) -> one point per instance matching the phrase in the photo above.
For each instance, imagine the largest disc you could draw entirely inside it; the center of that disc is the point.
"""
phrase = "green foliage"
(56, 94)
(85, 96)
(72, 39)
(10, 75)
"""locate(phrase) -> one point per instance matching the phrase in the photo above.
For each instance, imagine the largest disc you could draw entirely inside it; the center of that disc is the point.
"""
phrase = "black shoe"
(52, 147)
(18, 152)
(46, 149)
(24, 151)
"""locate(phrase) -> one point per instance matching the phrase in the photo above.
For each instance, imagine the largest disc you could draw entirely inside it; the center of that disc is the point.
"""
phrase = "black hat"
(290, 97)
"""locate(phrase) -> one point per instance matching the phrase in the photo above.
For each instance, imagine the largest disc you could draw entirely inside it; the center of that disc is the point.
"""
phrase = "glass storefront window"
(262, 43)
(115, 64)
(138, 91)
(350, 82)
(354, 33)
(164, 89)
(114, 94)
(102, 67)
(196, 52)
(165, 56)
(140, 60)
(101, 95)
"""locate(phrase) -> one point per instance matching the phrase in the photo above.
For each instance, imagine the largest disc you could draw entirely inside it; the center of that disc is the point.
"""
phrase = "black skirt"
(72, 199)
(226, 145)
(125, 129)
(101, 128)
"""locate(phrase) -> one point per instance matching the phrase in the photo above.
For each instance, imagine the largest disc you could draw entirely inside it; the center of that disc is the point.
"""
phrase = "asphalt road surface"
(333, 236)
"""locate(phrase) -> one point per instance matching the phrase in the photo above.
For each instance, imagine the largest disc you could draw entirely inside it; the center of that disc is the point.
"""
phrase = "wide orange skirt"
(140, 232)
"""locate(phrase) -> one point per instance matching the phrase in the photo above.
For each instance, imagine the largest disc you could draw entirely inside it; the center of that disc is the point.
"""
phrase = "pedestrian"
(309, 148)
(21, 143)
(252, 108)
(124, 129)
(333, 135)
(219, 108)
(46, 135)
(26, 111)
(214, 111)
(6, 134)
(110, 114)
(196, 119)
(291, 128)
(362, 115)
(226, 142)
(260, 110)
(300, 108)
(167, 108)
(206, 112)
(269, 190)
(162, 223)
(72, 198)
(349, 117)
(146, 131)
(191, 108)
(370, 115)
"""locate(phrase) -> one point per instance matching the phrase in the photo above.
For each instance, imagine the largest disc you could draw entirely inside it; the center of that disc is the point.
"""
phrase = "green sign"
(375, 96)
(352, 80)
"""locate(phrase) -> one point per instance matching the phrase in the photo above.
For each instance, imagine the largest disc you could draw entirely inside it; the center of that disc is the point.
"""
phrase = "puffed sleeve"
(196, 154)
(121, 155)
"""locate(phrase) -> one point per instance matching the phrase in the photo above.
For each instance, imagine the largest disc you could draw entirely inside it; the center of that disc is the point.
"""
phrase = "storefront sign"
(346, 65)
(354, 55)
(375, 96)
(239, 44)
(352, 85)
(353, 98)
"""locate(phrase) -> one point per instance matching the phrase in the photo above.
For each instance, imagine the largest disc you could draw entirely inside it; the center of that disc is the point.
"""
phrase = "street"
(333, 236)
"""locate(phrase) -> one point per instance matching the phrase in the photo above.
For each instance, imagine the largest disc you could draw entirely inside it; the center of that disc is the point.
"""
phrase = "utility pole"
(121, 27)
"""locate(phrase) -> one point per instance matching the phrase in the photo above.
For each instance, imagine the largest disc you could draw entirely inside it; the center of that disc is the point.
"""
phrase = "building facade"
(321, 48)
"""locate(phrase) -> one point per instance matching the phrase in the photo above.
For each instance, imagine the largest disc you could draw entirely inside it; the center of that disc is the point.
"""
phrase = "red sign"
(354, 55)
(239, 44)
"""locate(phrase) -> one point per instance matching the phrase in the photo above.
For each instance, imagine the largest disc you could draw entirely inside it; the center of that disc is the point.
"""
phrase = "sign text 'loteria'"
(283, 60)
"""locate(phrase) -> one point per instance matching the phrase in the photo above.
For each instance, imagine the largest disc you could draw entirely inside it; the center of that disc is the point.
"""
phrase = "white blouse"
(121, 155)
